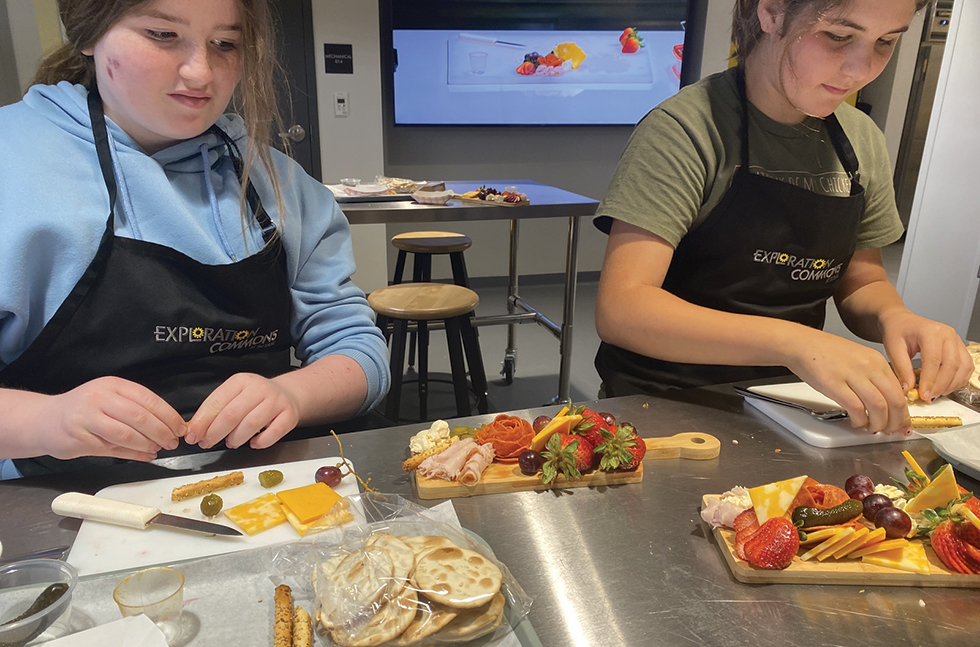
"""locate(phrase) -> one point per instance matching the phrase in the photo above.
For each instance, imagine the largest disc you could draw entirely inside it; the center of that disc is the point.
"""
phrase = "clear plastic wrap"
(396, 576)
(970, 394)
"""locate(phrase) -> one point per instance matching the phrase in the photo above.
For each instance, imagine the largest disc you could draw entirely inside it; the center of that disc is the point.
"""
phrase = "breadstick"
(411, 464)
(935, 422)
(302, 628)
(207, 486)
(282, 631)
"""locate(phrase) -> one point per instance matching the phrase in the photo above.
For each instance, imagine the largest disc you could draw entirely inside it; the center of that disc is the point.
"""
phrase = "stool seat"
(423, 301)
(431, 242)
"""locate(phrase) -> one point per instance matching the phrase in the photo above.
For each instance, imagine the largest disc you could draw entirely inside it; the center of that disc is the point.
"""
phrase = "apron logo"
(221, 339)
(801, 268)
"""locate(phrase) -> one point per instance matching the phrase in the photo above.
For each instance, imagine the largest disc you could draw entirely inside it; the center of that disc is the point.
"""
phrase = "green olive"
(211, 505)
(270, 478)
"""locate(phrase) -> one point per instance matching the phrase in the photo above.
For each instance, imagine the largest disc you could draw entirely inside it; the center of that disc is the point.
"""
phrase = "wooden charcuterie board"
(522, 203)
(507, 477)
(845, 571)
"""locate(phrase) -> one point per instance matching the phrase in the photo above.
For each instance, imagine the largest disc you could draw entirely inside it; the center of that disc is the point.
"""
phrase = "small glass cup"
(157, 593)
(478, 62)
(350, 181)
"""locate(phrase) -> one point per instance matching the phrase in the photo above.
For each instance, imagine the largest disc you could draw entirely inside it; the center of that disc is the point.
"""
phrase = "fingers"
(240, 408)
(944, 369)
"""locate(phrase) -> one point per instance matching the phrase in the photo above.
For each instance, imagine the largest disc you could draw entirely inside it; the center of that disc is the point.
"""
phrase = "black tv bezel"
(690, 70)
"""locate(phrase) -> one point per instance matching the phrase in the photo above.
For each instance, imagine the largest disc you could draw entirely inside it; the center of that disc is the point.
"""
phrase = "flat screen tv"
(532, 63)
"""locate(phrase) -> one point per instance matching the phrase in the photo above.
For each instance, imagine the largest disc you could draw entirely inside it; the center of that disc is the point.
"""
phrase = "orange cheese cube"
(310, 502)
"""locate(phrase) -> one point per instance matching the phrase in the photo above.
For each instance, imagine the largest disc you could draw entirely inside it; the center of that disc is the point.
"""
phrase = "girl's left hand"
(245, 407)
(946, 364)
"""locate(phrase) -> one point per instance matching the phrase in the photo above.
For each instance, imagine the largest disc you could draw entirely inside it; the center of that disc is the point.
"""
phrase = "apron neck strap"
(251, 195)
(101, 135)
(842, 145)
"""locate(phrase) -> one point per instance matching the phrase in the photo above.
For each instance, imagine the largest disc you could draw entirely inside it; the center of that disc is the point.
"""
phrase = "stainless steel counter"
(627, 565)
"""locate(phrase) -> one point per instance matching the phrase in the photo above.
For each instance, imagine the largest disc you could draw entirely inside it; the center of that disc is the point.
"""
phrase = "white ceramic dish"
(432, 197)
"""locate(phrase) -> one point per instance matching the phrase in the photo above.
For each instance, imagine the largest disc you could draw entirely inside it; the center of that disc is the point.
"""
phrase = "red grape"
(608, 418)
(330, 475)
(530, 462)
(873, 503)
(895, 521)
(860, 494)
(540, 423)
(858, 482)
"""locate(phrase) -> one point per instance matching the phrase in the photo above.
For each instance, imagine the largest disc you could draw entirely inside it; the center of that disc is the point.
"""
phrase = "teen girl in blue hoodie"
(159, 257)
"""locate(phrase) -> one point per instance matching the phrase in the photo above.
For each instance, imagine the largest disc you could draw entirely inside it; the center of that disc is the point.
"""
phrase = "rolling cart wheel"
(507, 370)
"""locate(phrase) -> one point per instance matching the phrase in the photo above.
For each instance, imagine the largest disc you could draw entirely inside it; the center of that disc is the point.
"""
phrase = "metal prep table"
(619, 566)
(545, 202)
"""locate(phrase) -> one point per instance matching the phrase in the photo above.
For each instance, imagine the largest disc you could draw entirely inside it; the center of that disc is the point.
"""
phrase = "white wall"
(352, 146)
(938, 277)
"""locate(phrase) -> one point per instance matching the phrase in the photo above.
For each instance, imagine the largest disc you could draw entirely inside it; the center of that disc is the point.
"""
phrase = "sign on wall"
(338, 59)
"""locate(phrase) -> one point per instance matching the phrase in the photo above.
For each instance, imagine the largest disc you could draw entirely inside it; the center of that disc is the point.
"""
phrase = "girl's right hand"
(108, 416)
(858, 378)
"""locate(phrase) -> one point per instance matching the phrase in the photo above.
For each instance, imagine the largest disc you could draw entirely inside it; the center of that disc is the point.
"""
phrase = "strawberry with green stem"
(621, 451)
(566, 454)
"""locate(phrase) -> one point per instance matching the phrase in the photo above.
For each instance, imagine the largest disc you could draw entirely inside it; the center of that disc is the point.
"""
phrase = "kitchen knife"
(85, 506)
(489, 40)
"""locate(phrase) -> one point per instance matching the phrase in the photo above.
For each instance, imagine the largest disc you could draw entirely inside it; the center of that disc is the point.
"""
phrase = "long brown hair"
(746, 30)
(86, 21)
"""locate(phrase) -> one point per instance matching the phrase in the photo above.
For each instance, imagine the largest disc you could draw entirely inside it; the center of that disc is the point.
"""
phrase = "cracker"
(423, 544)
(282, 632)
(351, 584)
(471, 623)
(412, 464)
(302, 628)
(402, 558)
(431, 617)
(207, 486)
(392, 619)
(457, 577)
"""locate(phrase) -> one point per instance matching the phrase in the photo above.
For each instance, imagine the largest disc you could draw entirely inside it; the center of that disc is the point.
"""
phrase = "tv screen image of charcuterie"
(526, 77)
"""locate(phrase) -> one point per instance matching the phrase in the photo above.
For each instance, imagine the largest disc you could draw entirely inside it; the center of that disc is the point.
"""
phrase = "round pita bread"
(355, 583)
(471, 623)
(457, 577)
(431, 617)
(424, 544)
(402, 558)
(392, 619)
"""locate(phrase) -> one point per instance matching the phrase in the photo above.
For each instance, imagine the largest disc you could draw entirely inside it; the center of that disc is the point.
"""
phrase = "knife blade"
(131, 515)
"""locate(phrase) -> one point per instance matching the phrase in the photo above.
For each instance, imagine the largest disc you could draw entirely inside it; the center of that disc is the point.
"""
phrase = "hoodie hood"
(66, 106)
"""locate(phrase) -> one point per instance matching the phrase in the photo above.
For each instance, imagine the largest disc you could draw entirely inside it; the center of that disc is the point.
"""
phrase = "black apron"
(769, 248)
(152, 315)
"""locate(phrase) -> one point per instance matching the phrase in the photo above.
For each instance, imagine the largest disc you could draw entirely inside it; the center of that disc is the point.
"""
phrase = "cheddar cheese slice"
(851, 544)
(880, 547)
(836, 540)
(310, 502)
(818, 536)
(940, 491)
(773, 499)
(877, 536)
(259, 514)
(911, 558)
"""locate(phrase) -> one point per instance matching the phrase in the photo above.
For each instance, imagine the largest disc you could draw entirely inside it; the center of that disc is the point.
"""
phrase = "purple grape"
(608, 418)
(874, 503)
(860, 494)
(530, 462)
(895, 521)
(330, 475)
(858, 482)
(540, 423)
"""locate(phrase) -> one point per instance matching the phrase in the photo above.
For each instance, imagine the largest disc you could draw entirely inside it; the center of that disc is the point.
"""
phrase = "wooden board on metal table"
(100, 547)
(507, 477)
(522, 203)
(845, 571)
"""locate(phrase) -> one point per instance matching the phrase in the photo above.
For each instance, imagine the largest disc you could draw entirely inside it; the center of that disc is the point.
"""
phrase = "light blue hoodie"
(54, 205)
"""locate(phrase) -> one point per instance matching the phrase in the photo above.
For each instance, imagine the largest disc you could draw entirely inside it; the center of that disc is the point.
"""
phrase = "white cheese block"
(773, 499)
(940, 491)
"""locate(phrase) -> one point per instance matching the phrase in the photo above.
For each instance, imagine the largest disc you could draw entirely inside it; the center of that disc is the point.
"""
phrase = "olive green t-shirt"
(681, 157)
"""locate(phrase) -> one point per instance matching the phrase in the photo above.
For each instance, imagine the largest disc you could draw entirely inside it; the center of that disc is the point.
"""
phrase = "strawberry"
(746, 524)
(952, 550)
(568, 454)
(632, 45)
(621, 451)
(973, 503)
(592, 426)
(629, 32)
(526, 68)
(773, 545)
(745, 519)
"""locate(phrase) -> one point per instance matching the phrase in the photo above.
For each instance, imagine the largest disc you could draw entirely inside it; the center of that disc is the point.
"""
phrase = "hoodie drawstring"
(213, 200)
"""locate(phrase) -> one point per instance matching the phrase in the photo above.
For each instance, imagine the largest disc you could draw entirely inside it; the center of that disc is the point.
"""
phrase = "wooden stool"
(424, 244)
(421, 303)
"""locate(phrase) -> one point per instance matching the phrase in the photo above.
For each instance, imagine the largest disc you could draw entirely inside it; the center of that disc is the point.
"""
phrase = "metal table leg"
(568, 316)
(509, 365)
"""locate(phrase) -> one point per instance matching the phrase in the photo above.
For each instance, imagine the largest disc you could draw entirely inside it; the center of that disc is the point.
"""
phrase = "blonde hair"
(747, 32)
(86, 21)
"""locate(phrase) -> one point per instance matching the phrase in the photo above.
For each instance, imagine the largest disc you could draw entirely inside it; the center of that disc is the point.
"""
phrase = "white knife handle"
(84, 506)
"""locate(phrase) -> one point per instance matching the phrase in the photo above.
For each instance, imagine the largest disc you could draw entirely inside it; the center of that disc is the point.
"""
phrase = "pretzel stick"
(412, 464)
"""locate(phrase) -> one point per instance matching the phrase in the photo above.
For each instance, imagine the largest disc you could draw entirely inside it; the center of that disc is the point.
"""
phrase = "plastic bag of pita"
(396, 576)
(970, 394)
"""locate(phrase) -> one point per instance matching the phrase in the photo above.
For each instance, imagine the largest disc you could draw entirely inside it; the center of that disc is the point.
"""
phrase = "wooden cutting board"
(507, 477)
(845, 571)
(101, 547)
